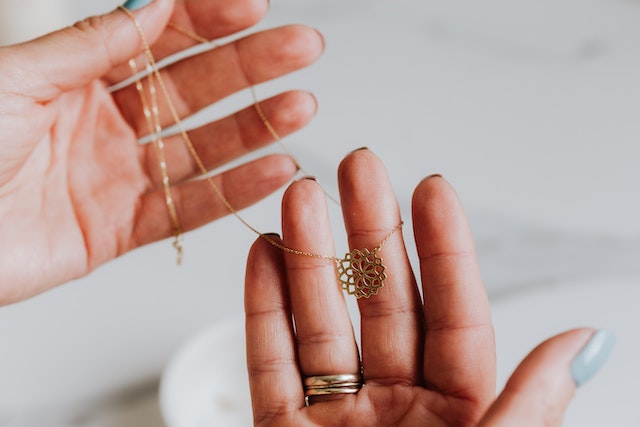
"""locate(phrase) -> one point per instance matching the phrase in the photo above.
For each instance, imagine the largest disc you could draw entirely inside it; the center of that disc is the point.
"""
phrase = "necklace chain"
(360, 272)
(152, 116)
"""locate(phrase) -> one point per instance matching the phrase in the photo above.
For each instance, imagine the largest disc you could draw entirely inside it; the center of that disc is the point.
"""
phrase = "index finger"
(459, 358)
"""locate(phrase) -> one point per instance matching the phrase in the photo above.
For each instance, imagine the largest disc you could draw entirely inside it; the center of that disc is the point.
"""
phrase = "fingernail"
(435, 175)
(295, 162)
(272, 235)
(309, 177)
(592, 357)
(315, 100)
(359, 149)
(136, 4)
(324, 42)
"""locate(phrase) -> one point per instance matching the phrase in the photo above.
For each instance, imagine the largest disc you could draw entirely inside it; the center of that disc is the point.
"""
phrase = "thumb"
(74, 56)
(540, 390)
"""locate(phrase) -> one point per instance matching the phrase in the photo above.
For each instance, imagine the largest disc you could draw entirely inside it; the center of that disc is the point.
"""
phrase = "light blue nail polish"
(592, 357)
(136, 4)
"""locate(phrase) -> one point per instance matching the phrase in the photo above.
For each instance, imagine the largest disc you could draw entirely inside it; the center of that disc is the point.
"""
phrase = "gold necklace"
(361, 272)
(152, 116)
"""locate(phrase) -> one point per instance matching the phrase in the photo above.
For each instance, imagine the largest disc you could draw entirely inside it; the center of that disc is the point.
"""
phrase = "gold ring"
(327, 385)
(329, 381)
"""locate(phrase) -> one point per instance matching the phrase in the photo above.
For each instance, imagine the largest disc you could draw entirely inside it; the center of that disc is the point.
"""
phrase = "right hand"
(426, 362)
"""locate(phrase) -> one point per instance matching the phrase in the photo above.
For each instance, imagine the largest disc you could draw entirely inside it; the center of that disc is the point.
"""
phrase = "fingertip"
(296, 109)
(543, 385)
(436, 207)
(360, 164)
(323, 40)
(592, 357)
(303, 190)
(263, 270)
(276, 171)
(264, 241)
(430, 188)
(306, 41)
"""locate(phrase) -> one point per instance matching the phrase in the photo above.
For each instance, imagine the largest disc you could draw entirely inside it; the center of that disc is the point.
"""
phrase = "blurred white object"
(26, 19)
(206, 382)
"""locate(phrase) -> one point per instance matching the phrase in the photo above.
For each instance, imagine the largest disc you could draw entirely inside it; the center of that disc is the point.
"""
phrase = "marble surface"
(530, 110)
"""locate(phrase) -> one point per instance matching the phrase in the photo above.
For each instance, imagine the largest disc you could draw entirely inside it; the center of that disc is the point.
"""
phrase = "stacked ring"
(325, 385)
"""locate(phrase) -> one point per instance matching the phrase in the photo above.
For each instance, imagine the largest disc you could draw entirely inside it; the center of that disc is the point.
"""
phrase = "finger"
(459, 356)
(197, 82)
(197, 204)
(274, 378)
(75, 56)
(540, 390)
(326, 343)
(231, 137)
(392, 320)
(210, 19)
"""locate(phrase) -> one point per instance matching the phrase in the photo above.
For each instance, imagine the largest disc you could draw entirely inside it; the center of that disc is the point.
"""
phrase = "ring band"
(340, 380)
(327, 385)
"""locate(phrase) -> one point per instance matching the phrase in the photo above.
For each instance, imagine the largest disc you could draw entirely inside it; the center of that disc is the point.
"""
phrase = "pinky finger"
(542, 387)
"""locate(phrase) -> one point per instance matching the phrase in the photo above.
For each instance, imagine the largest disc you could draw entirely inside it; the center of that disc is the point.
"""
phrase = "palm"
(76, 189)
(85, 179)
(394, 405)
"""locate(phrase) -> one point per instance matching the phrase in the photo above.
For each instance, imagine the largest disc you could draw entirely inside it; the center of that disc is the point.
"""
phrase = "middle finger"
(199, 81)
(392, 325)
(326, 343)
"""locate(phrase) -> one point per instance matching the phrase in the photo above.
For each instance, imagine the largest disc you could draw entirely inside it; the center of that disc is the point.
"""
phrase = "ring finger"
(325, 339)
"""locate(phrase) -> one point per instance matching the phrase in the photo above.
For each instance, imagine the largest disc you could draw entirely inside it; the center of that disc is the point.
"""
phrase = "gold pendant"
(361, 273)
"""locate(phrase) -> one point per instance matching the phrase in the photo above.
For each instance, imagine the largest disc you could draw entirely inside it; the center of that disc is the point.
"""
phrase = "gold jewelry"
(340, 380)
(256, 104)
(360, 272)
(189, 33)
(152, 116)
(327, 385)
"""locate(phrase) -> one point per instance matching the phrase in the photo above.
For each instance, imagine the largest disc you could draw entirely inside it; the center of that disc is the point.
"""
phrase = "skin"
(76, 190)
(428, 362)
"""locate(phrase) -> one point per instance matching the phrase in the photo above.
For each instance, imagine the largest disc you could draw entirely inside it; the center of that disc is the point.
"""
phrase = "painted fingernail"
(435, 175)
(309, 177)
(359, 149)
(592, 357)
(271, 235)
(136, 4)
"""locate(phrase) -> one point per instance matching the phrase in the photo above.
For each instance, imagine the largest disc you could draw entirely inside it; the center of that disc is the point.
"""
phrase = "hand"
(428, 363)
(76, 190)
